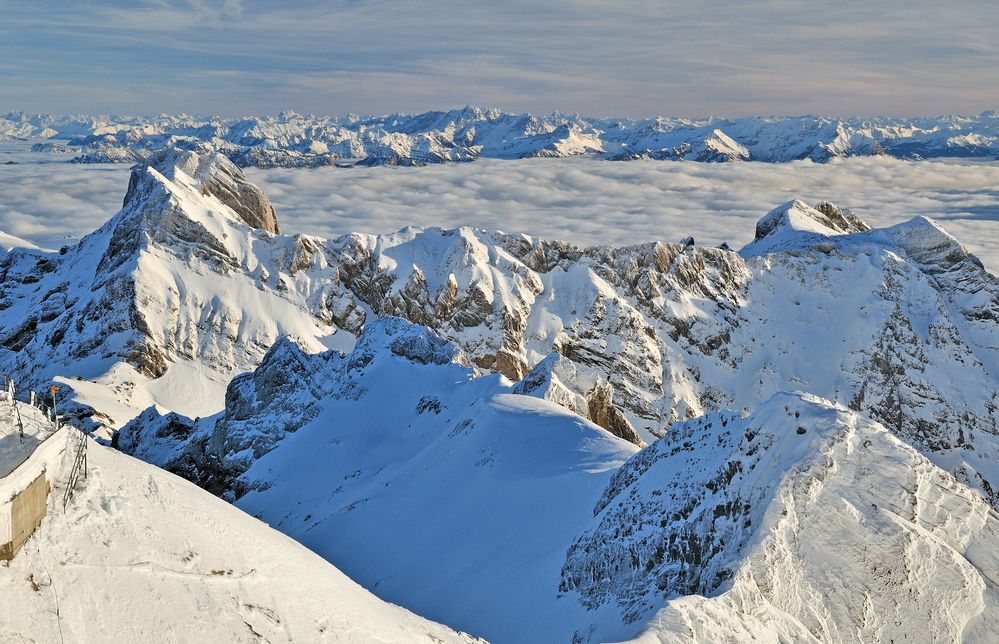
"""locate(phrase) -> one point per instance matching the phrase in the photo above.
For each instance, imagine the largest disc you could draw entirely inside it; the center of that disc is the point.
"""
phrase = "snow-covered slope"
(140, 555)
(294, 140)
(427, 484)
(802, 521)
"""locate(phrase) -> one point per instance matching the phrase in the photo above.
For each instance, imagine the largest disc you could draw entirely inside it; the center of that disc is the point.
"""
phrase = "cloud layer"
(579, 200)
(594, 202)
(634, 58)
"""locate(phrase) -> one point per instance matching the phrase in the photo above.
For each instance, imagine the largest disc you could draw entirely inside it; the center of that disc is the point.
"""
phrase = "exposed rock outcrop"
(216, 176)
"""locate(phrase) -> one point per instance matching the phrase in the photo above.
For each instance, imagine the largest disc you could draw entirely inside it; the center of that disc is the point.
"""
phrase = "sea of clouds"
(580, 200)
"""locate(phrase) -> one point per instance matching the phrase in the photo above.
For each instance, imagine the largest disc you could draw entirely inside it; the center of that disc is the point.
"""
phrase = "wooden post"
(53, 389)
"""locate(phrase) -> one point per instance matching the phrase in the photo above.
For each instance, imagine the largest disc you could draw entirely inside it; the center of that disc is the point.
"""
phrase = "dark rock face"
(231, 188)
(558, 379)
(844, 221)
(600, 405)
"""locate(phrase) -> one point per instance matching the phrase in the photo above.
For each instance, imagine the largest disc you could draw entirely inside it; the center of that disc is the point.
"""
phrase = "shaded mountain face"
(293, 140)
(178, 293)
(802, 519)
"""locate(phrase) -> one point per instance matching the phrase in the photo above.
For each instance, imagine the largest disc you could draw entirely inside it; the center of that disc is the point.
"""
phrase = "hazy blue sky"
(730, 57)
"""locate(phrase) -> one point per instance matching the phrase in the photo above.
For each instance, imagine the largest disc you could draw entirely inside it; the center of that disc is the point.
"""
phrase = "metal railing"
(9, 390)
(79, 463)
(79, 444)
(31, 397)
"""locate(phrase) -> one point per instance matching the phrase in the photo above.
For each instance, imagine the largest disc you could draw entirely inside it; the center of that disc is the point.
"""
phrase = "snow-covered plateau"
(293, 140)
(522, 438)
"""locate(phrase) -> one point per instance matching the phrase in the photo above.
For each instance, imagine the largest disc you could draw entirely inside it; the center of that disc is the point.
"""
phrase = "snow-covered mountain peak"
(187, 285)
(925, 241)
(732, 516)
(792, 219)
(466, 134)
(210, 174)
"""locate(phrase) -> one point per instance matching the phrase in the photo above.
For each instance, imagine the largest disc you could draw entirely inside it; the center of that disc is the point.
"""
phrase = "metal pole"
(53, 389)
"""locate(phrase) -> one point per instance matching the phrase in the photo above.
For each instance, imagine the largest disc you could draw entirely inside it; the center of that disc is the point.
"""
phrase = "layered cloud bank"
(580, 200)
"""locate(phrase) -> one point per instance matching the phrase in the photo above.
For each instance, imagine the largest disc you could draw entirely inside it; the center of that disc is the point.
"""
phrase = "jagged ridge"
(293, 140)
(904, 318)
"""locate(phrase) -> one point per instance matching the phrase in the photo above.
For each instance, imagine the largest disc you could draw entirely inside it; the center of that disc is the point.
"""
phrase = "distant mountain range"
(293, 140)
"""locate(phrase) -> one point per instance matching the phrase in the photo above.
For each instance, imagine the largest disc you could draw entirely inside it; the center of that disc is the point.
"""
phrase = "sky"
(630, 59)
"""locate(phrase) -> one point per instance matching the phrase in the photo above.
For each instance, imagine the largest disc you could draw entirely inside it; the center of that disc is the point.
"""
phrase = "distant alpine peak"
(293, 140)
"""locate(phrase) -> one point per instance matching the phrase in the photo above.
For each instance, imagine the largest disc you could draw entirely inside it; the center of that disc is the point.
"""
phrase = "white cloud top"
(579, 200)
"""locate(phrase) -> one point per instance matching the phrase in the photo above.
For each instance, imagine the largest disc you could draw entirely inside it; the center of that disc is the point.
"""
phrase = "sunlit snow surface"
(579, 200)
(139, 555)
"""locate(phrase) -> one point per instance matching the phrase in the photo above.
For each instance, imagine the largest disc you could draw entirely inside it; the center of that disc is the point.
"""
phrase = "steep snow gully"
(520, 438)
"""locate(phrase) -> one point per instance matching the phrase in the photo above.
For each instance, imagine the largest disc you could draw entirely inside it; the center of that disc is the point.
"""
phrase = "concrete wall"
(26, 512)
(24, 493)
